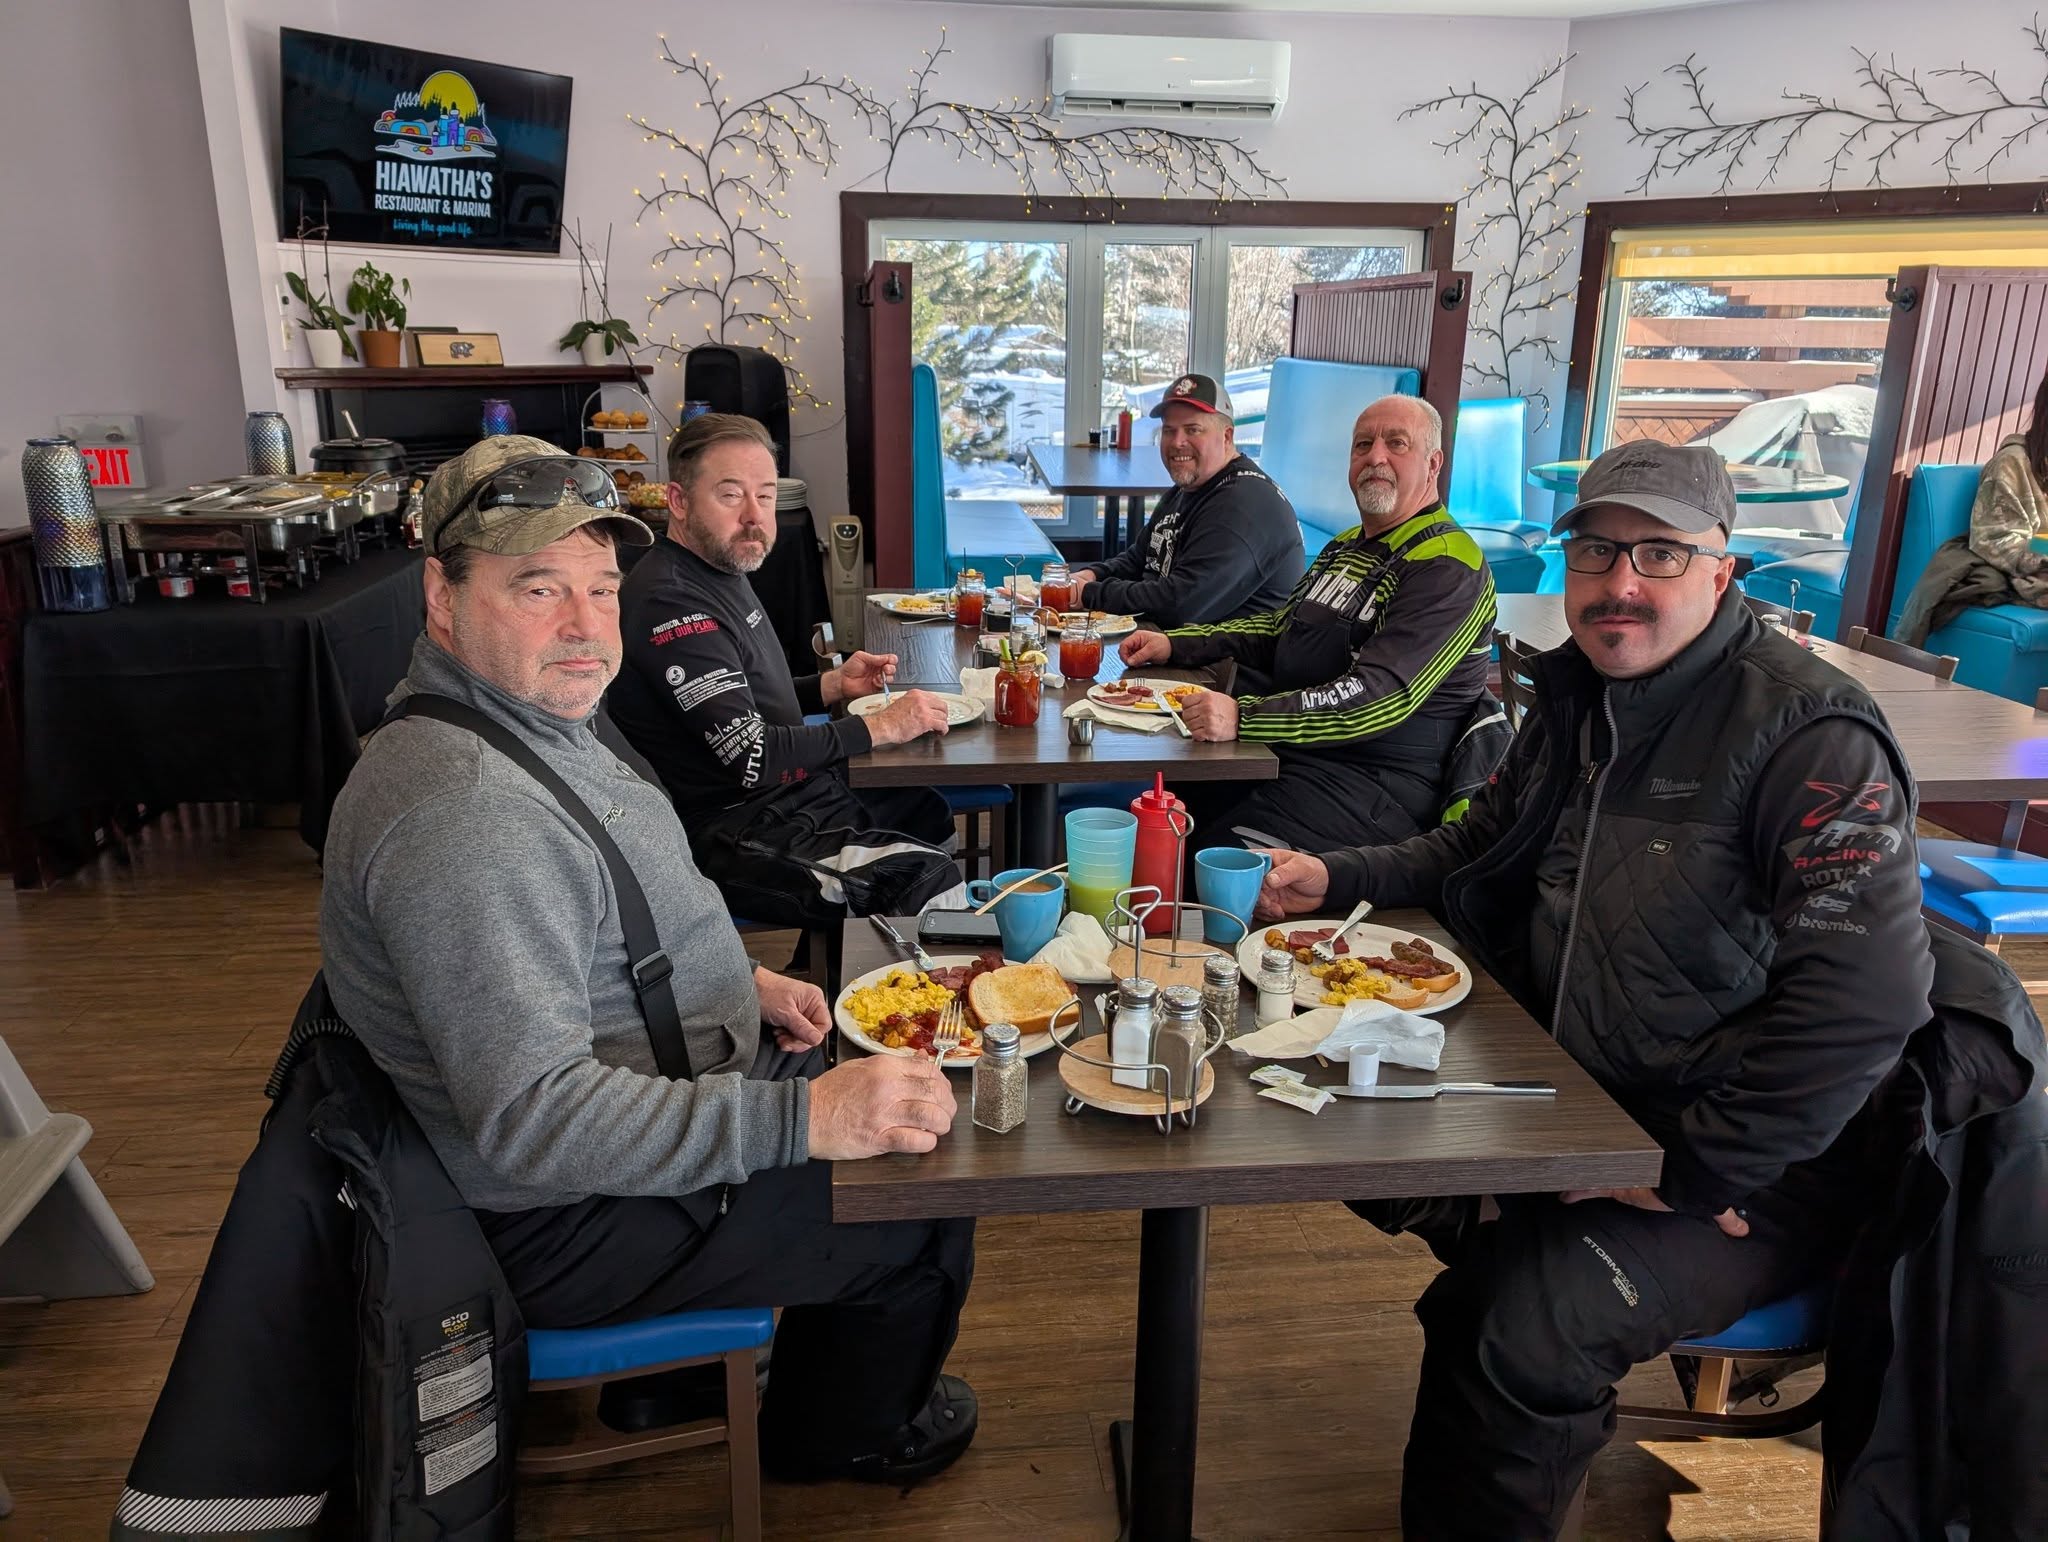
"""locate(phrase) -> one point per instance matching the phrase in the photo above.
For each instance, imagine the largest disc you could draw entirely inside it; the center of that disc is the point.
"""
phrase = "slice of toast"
(1403, 995)
(1026, 995)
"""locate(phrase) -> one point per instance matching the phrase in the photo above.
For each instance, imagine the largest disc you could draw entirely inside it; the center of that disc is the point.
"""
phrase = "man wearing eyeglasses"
(1696, 867)
(474, 939)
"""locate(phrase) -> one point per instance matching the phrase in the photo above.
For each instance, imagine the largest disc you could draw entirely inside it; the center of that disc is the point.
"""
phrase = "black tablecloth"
(214, 699)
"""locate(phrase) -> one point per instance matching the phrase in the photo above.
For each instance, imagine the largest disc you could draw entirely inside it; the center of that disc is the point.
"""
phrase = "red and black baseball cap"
(1197, 391)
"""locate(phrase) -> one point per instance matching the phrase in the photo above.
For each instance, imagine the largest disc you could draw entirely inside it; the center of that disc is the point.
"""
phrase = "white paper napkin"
(1079, 950)
(1402, 1038)
(979, 682)
(1144, 722)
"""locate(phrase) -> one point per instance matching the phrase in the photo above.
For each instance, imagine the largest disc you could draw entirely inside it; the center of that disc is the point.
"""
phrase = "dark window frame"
(1603, 219)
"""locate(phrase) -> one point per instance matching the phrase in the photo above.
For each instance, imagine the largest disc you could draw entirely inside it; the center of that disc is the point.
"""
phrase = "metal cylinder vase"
(268, 439)
(64, 526)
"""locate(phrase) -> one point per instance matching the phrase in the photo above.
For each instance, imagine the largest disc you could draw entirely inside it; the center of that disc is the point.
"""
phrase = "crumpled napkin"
(979, 682)
(1115, 717)
(1079, 950)
(1402, 1038)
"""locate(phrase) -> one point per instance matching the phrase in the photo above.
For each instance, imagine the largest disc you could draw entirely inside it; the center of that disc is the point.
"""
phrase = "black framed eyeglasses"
(1652, 559)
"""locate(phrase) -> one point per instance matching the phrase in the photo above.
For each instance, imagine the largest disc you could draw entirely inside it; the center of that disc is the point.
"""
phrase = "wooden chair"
(1517, 684)
(564, 1359)
(1942, 666)
(1801, 621)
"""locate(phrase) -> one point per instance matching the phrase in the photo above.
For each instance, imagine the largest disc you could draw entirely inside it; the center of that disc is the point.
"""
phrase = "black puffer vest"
(1671, 939)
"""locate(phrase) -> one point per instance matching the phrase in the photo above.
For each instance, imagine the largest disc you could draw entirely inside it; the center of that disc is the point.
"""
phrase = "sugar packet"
(1297, 1095)
(1276, 1076)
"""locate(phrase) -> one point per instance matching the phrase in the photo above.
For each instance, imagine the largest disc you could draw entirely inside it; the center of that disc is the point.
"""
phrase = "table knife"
(1432, 1089)
(909, 950)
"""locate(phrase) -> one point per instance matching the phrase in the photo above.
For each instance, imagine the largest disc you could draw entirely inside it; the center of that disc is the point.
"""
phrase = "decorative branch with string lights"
(739, 284)
(1025, 140)
(1973, 119)
(1528, 168)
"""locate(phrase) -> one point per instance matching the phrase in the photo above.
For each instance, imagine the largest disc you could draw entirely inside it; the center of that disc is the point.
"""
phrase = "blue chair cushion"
(1516, 563)
(1818, 581)
(1992, 890)
(1938, 503)
(2022, 628)
(1784, 1327)
(1310, 407)
(962, 800)
(1486, 472)
(563, 1354)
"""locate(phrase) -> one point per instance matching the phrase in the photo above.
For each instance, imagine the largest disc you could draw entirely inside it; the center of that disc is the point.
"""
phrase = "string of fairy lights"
(732, 278)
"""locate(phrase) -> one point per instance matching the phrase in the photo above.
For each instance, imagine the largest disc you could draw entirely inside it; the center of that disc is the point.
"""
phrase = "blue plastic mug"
(1229, 879)
(1027, 919)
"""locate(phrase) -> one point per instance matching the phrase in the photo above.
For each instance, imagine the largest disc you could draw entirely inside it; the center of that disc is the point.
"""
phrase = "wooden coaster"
(1091, 1084)
(1184, 968)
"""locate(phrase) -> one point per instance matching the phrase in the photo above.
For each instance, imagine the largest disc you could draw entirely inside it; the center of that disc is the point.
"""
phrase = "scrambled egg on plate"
(904, 991)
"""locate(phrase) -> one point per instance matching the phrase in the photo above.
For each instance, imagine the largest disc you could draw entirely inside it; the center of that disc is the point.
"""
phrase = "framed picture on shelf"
(459, 348)
(413, 335)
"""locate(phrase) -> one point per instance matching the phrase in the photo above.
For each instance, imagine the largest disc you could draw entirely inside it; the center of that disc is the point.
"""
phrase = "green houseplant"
(600, 336)
(375, 296)
(326, 324)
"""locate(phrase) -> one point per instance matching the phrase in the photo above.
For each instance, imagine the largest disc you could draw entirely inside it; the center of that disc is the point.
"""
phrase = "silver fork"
(952, 1024)
(1325, 952)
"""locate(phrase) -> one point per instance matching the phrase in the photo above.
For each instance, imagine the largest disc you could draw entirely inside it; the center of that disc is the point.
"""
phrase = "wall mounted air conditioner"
(1108, 76)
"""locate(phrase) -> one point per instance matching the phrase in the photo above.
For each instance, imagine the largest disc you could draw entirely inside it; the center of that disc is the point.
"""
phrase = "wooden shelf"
(421, 377)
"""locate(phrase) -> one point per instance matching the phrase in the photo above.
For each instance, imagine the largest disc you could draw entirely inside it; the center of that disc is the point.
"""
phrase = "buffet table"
(212, 699)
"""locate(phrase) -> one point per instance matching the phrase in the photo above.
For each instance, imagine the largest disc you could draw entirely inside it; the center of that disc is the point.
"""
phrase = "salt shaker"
(1276, 986)
(1178, 1044)
(1220, 991)
(1130, 1032)
(1002, 1082)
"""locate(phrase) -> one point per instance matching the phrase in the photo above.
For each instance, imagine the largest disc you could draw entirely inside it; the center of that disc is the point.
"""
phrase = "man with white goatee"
(1375, 664)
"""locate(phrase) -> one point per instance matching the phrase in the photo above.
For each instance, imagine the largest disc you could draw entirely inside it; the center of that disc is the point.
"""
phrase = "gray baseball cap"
(513, 494)
(1686, 486)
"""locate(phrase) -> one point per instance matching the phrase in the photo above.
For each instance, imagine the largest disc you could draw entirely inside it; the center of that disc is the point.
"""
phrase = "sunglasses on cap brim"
(540, 483)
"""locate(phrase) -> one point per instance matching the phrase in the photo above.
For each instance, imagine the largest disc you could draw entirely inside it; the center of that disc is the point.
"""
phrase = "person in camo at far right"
(1697, 867)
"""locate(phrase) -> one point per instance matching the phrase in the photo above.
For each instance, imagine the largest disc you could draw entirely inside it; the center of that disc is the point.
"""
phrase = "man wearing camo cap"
(471, 938)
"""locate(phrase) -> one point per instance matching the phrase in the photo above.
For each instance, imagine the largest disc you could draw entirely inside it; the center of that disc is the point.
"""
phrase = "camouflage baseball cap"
(513, 494)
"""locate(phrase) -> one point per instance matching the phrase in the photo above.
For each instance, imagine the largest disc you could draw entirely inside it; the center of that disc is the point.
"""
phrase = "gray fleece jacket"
(471, 940)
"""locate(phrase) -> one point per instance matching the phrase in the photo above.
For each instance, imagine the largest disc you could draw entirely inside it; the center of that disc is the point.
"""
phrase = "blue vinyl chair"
(560, 1359)
(1310, 407)
(1989, 893)
(947, 535)
(988, 815)
(1485, 494)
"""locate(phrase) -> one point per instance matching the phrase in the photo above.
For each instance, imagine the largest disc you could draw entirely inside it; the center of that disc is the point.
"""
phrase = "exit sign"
(111, 465)
(111, 443)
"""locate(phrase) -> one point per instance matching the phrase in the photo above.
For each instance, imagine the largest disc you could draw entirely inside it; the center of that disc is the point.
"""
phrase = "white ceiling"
(1527, 9)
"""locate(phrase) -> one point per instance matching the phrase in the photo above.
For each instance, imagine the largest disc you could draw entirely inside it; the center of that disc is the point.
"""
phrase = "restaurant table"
(213, 699)
(1037, 759)
(1244, 1149)
(1120, 478)
(1962, 744)
(1753, 484)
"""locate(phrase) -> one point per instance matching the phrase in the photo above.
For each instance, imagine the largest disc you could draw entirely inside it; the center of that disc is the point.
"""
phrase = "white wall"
(1338, 139)
(113, 294)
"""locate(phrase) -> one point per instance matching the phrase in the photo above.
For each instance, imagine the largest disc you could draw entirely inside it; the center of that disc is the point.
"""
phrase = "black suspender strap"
(649, 965)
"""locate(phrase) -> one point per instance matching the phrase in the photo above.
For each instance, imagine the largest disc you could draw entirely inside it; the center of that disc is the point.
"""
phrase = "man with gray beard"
(1376, 662)
(707, 697)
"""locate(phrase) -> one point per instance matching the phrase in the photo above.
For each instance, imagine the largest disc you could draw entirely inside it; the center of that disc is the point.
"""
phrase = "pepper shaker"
(1220, 991)
(1178, 1044)
(1002, 1081)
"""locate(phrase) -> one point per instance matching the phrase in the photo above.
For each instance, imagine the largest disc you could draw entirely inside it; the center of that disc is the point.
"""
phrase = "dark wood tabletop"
(932, 653)
(1963, 745)
(1245, 1149)
(1078, 470)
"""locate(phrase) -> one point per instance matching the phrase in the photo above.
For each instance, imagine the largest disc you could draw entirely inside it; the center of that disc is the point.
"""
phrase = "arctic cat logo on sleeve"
(1838, 798)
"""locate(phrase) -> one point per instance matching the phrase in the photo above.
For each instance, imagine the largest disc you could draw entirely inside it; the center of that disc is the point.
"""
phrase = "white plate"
(1109, 626)
(960, 709)
(1033, 1043)
(1095, 693)
(893, 604)
(1363, 939)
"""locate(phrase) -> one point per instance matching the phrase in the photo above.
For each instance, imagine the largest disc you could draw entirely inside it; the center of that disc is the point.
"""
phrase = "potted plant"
(606, 335)
(375, 296)
(326, 324)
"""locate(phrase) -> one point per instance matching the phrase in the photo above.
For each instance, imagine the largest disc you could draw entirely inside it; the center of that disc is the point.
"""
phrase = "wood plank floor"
(151, 999)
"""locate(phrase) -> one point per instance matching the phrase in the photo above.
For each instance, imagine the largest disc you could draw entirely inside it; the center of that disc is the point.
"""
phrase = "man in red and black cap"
(1224, 543)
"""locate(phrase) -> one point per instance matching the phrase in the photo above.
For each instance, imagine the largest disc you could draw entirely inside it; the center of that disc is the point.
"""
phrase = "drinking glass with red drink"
(970, 594)
(1056, 587)
(1080, 650)
(1018, 686)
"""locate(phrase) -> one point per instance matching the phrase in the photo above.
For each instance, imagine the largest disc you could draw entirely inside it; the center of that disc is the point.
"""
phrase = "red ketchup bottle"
(1123, 429)
(1163, 826)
